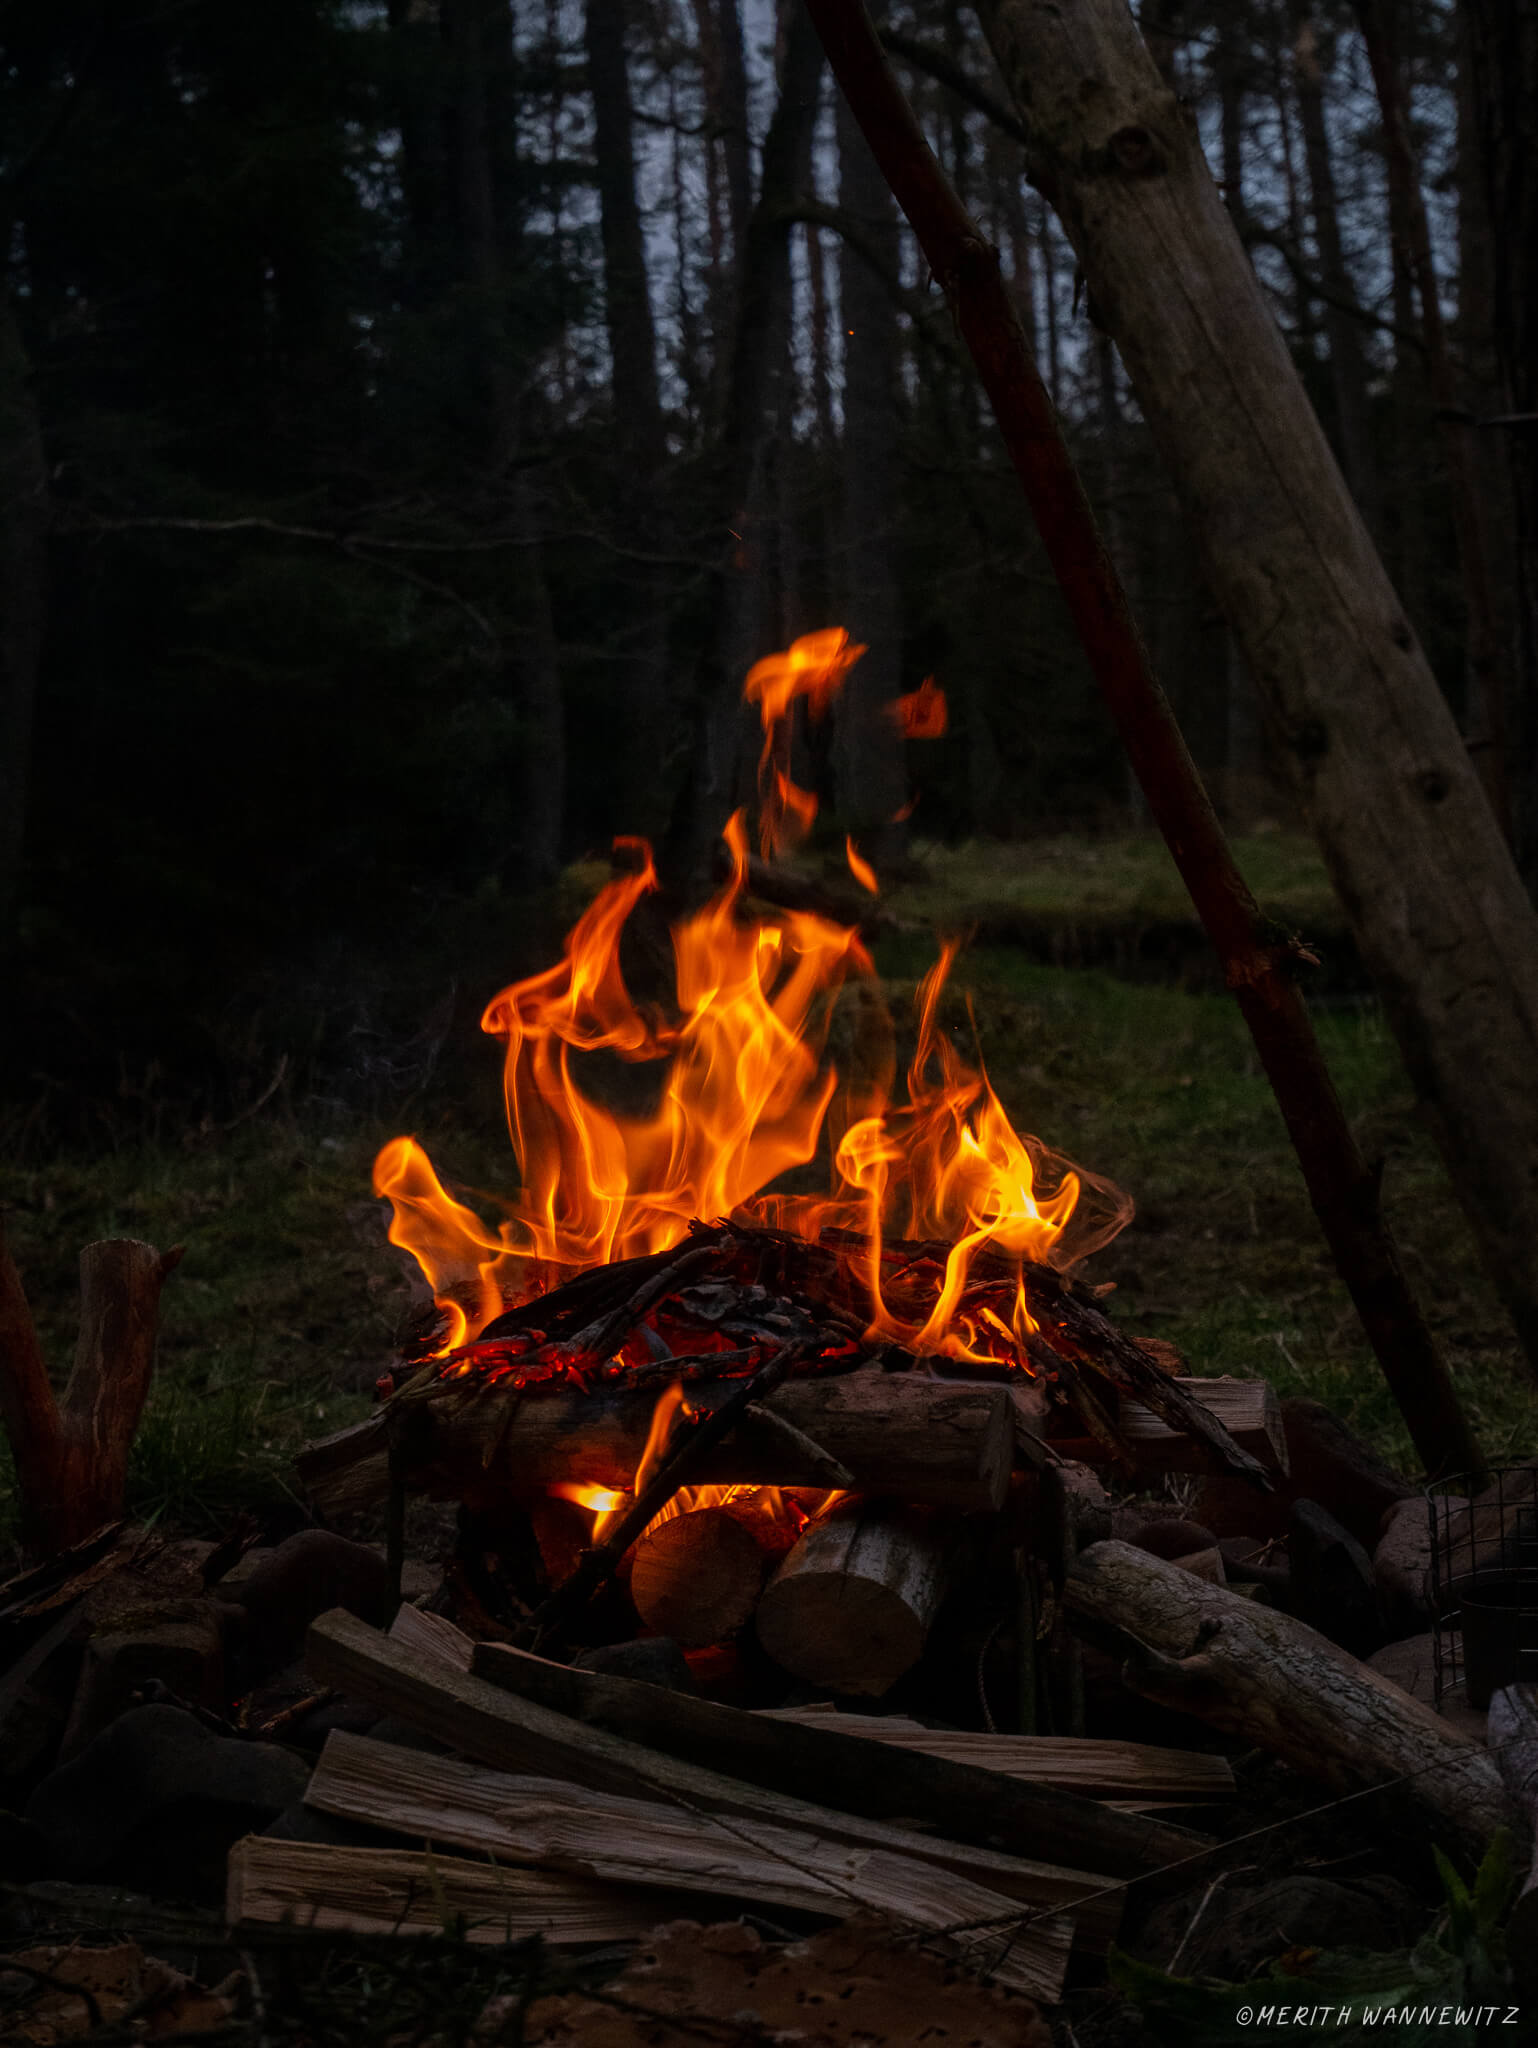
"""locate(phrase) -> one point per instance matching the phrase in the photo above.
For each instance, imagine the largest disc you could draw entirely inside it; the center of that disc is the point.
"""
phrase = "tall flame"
(745, 1096)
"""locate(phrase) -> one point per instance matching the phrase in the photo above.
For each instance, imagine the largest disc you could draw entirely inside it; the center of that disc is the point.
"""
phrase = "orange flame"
(814, 667)
(745, 1096)
(923, 714)
(861, 868)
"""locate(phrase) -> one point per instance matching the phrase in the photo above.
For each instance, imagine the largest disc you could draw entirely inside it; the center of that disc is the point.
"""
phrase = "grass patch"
(1118, 878)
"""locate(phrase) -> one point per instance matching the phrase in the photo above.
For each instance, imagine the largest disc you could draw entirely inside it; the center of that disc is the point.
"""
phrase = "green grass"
(288, 1300)
(1126, 877)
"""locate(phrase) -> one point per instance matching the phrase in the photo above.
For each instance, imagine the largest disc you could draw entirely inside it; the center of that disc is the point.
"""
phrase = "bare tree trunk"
(1484, 665)
(641, 693)
(1348, 367)
(532, 670)
(1502, 44)
(868, 754)
(754, 414)
(23, 563)
(1414, 850)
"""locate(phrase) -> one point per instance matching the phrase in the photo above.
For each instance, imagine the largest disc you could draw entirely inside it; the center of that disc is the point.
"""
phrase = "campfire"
(760, 1398)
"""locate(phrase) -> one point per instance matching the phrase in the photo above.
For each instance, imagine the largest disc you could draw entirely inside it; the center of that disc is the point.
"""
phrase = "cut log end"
(697, 1577)
(851, 1606)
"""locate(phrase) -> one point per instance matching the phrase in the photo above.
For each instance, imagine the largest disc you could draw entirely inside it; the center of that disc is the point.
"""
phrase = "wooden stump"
(72, 1453)
(850, 1608)
(697, 1576)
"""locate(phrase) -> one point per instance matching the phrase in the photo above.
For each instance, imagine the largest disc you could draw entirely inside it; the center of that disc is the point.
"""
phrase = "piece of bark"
(697, 1576)
(851, 1606)
(555, 1825)
(72, 1453)
(1247, 1409)
(818, 1763)
(1401, 1567)
(511, 1732)
(403, 1891)
(1099, 1768)
(907, 1435)
(1513, 1739)
(1283, 1687)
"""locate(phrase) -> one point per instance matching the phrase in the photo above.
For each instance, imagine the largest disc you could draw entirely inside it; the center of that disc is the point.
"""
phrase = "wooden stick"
(1262, 1675)
(1342, 1186)
(819, 1763)
(618, 1840)
(509, 1732)
(1247, 1409)
(1099, 1768)
(403, 1891)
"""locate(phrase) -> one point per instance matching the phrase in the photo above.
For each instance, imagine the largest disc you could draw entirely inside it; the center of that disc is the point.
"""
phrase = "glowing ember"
(746, 1095)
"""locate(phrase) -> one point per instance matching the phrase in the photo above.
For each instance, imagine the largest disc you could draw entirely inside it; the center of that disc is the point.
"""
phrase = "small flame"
(813, 668)
(923, 714)
(861, 868)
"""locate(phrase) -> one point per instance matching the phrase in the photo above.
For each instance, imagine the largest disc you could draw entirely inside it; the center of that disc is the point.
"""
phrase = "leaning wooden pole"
(1341, 1185)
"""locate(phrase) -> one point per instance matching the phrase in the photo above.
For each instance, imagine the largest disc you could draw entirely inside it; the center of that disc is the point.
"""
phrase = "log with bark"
(1261, 1675)
(906, 1435)
(512, 1732)
(638, 1843)
(72, 1451)
(851, 1606)
(1512, 1734)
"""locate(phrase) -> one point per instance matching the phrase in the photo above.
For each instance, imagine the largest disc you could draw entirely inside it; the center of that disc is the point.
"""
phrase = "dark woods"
(414, 419)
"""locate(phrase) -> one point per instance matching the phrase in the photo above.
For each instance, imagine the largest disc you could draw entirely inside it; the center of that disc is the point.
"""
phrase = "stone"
(1162, 1535)
(1410, 1664)
(1249, 1562)
(1328, 1463)
(1333, 1589)
(307, 1575)
(1203, 1564)
(657, 1660)
(157, 1773)
(175, 1644)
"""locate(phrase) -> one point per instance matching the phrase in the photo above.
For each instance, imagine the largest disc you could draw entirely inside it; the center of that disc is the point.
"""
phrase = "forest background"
(414, 420)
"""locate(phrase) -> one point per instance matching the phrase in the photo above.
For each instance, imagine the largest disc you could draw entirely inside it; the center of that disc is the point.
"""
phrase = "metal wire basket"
(1484, 1582)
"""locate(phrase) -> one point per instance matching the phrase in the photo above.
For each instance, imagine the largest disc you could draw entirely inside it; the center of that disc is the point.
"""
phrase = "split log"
(697, 1576)
(71, 1454)
(402, 1891)
(850, 1607)
(1247, 1409)
(432, 1635)
(907, 1435)
(1281, 1686)
(631, 1842)
(819, 1763)
(1093, 1765)
(511, 1732)
(1512, 1733)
